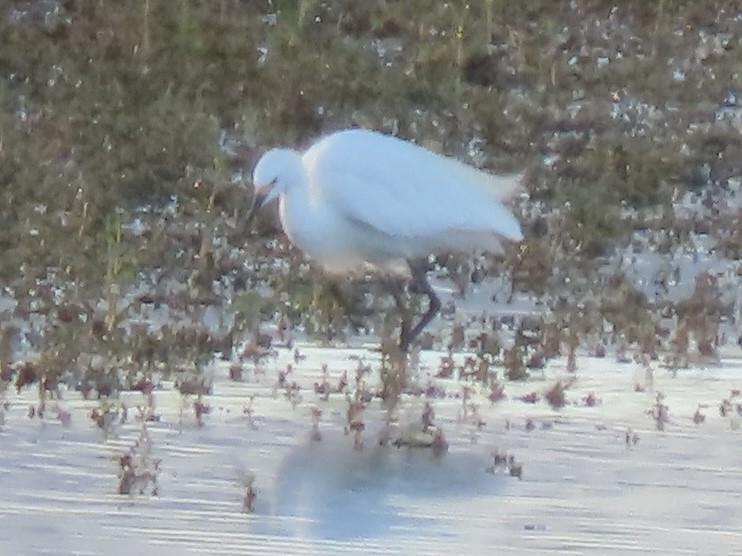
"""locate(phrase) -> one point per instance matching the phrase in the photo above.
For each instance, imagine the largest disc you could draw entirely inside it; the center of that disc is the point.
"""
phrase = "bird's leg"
(419, 284)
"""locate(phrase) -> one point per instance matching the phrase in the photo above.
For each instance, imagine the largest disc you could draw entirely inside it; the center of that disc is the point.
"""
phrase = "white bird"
(360, 200)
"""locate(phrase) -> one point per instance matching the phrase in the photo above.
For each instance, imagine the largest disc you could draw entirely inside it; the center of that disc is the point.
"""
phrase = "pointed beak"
(258, 200)
(262, 195)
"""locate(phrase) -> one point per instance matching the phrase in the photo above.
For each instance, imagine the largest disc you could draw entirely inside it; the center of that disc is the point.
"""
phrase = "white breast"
(338, 245)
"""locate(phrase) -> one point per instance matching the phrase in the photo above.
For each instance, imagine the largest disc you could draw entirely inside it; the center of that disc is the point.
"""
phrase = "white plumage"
(359, 199)
(359, 196)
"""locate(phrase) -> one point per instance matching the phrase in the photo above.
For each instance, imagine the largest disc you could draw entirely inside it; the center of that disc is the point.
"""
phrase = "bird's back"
(409, 193)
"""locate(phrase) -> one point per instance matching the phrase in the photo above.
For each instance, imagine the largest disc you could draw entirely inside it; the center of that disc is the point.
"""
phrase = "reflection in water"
(340, 493)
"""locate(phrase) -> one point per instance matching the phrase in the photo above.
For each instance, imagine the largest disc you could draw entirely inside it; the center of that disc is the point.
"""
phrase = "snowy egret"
(360, 200)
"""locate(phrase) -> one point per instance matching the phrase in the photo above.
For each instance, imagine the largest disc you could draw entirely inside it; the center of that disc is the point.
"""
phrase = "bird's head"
(276, 172)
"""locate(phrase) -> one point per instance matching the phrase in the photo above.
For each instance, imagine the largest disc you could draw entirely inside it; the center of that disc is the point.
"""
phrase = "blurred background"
(128, 129)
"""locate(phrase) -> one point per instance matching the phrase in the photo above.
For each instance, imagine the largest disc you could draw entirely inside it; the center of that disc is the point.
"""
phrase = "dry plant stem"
(138, 470)
(248, 500)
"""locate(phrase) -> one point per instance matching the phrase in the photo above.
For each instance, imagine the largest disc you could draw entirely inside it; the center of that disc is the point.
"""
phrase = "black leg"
(419, 284)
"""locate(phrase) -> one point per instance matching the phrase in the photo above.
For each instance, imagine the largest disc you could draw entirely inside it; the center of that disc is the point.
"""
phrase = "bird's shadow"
(337, 492)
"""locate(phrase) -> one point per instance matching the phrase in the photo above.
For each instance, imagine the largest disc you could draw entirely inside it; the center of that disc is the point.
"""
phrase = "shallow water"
(583, 489)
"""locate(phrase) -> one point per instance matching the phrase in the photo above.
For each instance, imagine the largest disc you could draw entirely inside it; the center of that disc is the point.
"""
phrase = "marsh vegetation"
(127, 127)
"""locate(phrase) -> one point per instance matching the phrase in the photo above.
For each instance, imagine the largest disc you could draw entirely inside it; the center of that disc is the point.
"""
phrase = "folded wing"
(404, 190)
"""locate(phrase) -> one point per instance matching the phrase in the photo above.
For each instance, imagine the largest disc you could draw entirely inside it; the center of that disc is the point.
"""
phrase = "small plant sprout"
(446, 367)
(235, 372)
(660, 412)
(250, 412)
(591, 400)
(316, 436)
(515, 368)
(734, 421)
(127, 475)
(532, 398)
(427, 416)
(555, 395)
(600, 350)
(476, 417)
(572, 342)
(631, 438)
(515, 469)
(699, 417)
(247, 479)
(482, 373)
(323, 388)
(622, 355)
(342, 383)
(644, 376)
(571, 361)
(132, 480)
(679, 357)
(281, 381)
(731, 410)
(198, 387)
(4, 382)
(439, 444)
(466, 392)
(105, 417)
(254, 351)
(138, 470)
(499, 462)
(64, 416)
(385, 433)
(363, 393)
(146, 412)
(497, 392)
(648, 372)
(393, 374)
(293, 393)
(457, 337)
(362, 370)
(200, 408)
(354, 422)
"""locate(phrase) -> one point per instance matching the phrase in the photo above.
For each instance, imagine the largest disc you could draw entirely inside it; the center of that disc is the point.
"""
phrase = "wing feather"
(404, 190)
